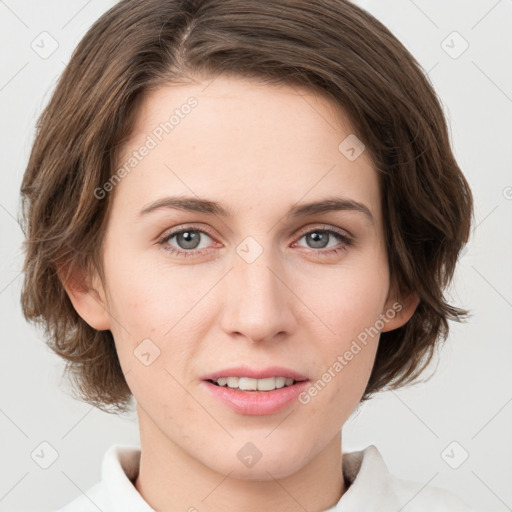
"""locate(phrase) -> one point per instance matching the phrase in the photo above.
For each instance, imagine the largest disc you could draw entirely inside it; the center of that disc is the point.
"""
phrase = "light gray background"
(469, 400)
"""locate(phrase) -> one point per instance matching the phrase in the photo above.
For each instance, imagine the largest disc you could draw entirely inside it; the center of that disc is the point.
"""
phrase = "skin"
(258, 150)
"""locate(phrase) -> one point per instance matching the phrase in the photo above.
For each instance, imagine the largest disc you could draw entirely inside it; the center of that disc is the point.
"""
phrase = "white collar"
(369, 482)
(364, 470)
(371, 487)
(119, 470)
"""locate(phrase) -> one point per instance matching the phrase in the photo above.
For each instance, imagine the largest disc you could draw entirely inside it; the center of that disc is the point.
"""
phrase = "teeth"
(247, 384)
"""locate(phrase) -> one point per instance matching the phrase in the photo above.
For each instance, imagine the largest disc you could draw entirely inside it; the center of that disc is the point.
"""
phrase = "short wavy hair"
(331, 47)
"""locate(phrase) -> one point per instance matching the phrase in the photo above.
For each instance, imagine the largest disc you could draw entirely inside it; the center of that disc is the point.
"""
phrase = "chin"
(264, 469)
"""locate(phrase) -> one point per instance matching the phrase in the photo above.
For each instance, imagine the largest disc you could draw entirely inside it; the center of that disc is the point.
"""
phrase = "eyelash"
(197, 252)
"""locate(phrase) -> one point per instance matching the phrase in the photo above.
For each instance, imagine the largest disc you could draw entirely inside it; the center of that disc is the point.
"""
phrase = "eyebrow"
(196, 204)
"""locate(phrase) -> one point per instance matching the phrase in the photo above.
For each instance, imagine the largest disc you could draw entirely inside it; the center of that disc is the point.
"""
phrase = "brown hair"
(331, 47)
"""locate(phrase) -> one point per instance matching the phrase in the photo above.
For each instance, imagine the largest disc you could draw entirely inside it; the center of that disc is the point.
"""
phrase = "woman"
(243, 215)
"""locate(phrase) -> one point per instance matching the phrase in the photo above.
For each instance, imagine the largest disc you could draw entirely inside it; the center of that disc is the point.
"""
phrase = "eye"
(320, 238)
(188, 241)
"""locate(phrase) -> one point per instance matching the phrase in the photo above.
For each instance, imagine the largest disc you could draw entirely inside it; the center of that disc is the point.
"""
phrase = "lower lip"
(257, 403)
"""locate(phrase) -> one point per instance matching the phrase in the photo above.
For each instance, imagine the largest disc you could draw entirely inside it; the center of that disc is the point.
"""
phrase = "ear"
(404, 308)
(86, 293)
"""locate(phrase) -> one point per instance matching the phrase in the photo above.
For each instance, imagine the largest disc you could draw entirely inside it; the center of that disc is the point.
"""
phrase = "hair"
(331, 47)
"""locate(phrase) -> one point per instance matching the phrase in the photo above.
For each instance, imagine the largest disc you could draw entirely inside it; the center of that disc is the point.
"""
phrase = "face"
(194, 292)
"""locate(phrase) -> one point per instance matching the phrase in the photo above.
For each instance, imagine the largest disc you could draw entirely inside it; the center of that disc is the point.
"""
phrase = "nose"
(258, 303)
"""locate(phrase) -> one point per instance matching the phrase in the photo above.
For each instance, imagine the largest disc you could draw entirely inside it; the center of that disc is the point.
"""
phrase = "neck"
(171, 479)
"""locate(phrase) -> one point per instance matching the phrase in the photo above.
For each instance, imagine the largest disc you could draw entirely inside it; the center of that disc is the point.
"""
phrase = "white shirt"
(371, 487)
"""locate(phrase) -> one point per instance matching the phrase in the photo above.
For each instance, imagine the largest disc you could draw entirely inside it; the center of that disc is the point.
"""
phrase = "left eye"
(320, 237)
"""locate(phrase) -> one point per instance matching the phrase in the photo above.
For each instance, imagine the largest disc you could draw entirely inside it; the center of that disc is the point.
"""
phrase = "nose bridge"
(257, 303)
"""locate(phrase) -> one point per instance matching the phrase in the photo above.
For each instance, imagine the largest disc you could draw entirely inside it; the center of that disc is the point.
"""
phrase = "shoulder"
(115, 490)
(372, 486)
(418, 497)
(96, 498)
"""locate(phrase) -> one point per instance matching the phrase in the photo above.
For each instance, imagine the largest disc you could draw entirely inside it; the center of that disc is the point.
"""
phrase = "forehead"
(245, 144)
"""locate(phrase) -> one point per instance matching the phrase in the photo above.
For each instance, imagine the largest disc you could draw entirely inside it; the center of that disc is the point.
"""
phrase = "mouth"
(251, 385)
(255, 391)
(252, 379)
(256, 397)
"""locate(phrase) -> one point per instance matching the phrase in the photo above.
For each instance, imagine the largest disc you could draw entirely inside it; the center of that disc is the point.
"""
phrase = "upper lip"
(256, 373)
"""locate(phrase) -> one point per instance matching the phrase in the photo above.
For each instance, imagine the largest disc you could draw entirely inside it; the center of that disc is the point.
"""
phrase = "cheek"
(351, 299)
(148, 297)
(154, 308)
(347, 365)
(350, 308)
